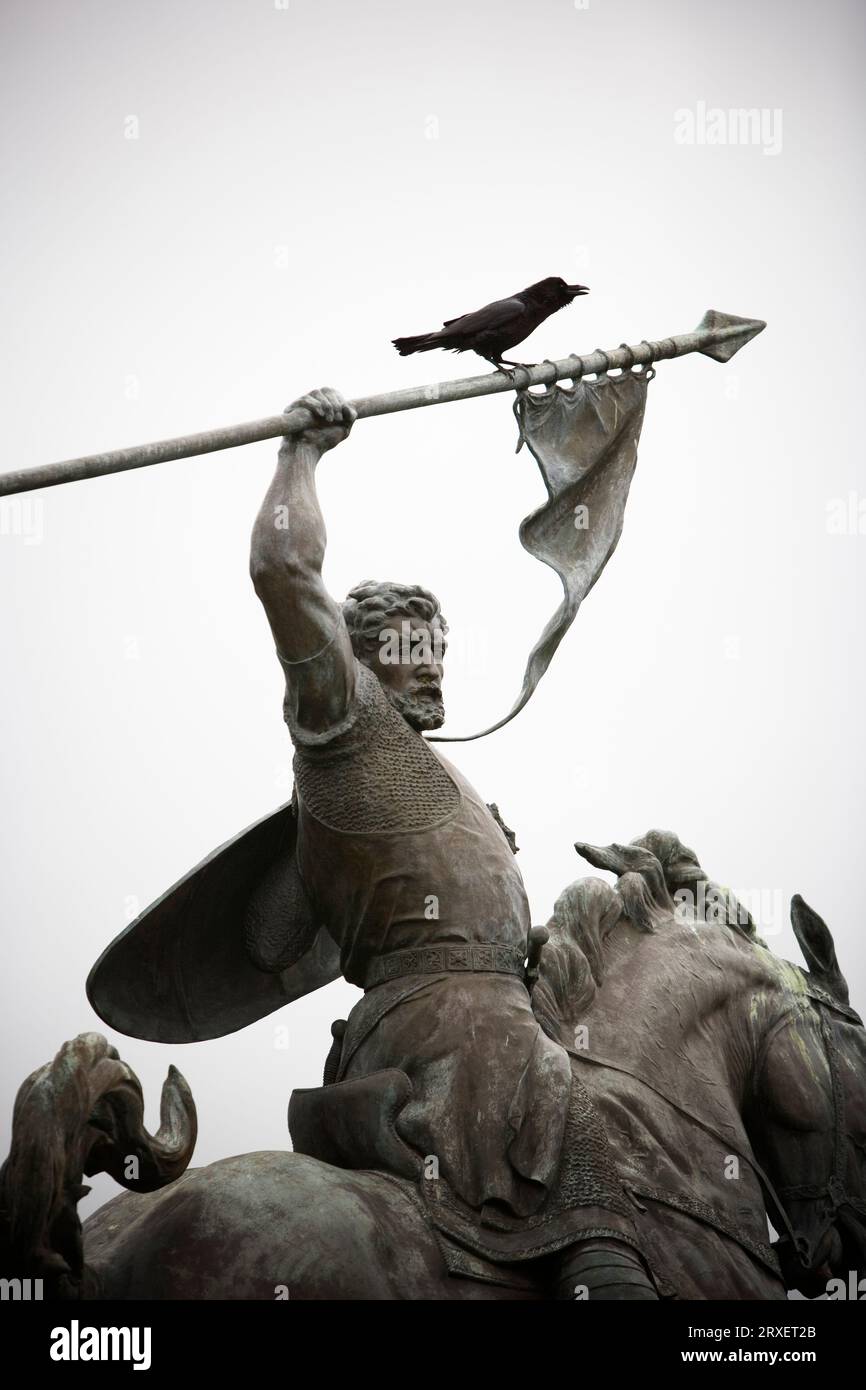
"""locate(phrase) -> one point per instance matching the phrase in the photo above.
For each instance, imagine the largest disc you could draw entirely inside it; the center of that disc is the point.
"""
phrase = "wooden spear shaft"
(718, 336)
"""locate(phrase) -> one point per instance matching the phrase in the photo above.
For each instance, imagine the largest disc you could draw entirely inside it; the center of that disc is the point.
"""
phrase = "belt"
(480, 956)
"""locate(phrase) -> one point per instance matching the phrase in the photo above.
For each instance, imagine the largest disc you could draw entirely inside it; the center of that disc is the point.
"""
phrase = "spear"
(717, 335)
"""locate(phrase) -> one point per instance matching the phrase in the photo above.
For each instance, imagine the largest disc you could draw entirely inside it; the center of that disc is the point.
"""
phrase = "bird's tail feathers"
(424, 342)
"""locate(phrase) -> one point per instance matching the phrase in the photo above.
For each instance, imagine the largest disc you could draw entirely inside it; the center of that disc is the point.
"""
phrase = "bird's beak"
(575, 290)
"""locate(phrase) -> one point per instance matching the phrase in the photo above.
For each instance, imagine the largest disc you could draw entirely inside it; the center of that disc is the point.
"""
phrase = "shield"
(180, 972)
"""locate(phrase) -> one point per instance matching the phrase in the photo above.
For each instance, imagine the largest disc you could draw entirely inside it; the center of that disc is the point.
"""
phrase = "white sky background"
(307, 184)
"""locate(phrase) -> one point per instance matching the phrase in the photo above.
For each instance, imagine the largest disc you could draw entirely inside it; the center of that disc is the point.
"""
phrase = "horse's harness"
(833, 1191)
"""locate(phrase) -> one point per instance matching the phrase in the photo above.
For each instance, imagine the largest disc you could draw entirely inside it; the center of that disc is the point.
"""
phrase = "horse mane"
(689, 884)
(659, 879)
(571, 966)
(656, 875)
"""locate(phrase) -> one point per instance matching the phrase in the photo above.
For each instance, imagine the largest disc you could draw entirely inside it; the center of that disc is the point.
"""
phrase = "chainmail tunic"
(397, 851)
(395, 848)
(378, 775)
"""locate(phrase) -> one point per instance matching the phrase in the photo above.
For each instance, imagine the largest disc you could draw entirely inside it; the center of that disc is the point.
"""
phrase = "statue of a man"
(408, 868)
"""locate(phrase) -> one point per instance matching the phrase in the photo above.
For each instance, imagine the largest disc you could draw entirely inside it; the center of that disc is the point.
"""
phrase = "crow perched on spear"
(498, 326)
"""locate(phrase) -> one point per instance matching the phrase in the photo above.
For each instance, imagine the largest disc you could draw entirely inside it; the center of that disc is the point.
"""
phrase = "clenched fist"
(333, 418)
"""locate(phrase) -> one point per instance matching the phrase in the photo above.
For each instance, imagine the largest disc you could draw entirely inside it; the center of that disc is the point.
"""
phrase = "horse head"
(807, 1121)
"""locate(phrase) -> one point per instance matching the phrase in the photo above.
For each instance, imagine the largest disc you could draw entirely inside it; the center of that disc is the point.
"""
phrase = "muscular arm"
(287, 552)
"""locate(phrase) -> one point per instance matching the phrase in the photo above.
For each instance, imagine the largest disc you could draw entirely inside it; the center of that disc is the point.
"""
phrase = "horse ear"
(816, 943)
(607, 857)
(622, 859)
(641, 880)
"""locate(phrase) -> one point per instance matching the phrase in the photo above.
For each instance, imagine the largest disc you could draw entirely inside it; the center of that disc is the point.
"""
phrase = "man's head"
(399, 632)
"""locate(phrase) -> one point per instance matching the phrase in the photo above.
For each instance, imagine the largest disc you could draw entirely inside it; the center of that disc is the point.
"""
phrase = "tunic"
(397, 852)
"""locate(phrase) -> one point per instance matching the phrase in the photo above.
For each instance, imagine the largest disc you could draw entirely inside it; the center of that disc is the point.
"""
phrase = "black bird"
(498, 326)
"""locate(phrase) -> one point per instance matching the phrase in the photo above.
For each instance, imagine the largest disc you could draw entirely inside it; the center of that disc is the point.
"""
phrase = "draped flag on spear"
(585, 444)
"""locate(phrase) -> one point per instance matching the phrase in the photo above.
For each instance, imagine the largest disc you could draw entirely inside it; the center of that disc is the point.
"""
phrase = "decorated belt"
(438, 960)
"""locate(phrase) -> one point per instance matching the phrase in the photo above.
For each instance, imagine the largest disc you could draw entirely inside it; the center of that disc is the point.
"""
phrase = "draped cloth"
(585, 441)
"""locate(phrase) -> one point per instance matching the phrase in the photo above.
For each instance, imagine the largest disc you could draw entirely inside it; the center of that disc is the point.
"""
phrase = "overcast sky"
(211, 207)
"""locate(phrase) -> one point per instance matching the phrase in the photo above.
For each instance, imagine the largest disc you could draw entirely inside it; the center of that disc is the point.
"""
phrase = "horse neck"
(672, 1027)
(688, 1006)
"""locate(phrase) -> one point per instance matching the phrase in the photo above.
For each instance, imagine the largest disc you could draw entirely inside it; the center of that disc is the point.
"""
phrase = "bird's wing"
(491, 316)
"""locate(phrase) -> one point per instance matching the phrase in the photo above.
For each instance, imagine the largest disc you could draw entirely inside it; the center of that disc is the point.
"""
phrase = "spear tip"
(722, 348)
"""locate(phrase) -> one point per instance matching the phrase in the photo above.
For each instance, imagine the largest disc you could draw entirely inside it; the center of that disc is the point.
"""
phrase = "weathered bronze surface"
(660, 1080)
(612, 1104)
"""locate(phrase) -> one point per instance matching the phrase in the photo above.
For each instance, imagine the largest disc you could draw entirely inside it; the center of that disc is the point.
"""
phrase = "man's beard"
(421, 711)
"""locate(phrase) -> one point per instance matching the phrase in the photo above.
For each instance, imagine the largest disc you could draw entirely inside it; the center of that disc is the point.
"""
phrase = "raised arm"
(287, 552)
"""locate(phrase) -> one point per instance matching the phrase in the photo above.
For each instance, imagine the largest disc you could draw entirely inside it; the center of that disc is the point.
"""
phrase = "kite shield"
(180, 972)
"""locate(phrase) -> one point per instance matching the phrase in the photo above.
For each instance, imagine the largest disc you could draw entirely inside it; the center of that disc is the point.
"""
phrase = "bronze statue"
(749, 1095)
(599, 1109)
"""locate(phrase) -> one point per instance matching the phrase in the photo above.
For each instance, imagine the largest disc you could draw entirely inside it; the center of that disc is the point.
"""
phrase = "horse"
(730, 1084)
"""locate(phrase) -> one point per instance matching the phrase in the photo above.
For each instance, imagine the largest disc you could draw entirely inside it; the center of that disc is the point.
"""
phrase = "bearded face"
(409, 662)
(423, 709)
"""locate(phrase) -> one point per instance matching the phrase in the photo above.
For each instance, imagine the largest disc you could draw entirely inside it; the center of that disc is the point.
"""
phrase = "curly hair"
(683, 874)
(370, 606)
